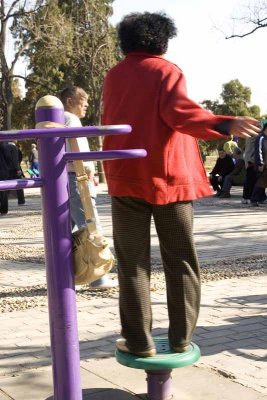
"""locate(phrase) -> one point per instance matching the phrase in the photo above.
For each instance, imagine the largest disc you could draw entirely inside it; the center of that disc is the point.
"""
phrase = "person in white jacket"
(75, 101)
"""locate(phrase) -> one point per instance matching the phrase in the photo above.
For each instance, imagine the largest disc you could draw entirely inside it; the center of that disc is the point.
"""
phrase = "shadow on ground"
(107, 394)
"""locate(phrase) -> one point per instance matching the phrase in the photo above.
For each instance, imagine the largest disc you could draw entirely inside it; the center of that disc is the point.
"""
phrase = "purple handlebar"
(21, 184)
(91, 156)
(105, 155)
(65, 132)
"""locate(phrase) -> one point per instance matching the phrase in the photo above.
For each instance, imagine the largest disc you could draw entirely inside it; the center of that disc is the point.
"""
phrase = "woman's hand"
(244, 127)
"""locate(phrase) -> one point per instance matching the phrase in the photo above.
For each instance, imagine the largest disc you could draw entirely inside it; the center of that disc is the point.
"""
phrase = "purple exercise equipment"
(58, 254)
(57, 233)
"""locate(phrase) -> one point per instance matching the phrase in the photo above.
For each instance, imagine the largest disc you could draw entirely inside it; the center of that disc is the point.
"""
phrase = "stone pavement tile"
(261, 353)
(254, 386)
(10, 365)
(107, 380)
(12, 348)
(4, 396)
(189, 383)
(239, 357)
(205, 384)
(243, 326)
(235, 365)
(91, 344)
(87, 335)
(244, 334)
(126, 378)
(19, 274)
(237, 370)
(219, 333)
(37, 385)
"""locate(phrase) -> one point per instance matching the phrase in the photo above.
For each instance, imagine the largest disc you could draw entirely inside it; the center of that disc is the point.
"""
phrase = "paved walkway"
(231, 332)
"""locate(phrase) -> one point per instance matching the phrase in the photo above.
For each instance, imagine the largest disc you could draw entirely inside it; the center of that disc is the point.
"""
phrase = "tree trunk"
(7, 115)
(7, 108)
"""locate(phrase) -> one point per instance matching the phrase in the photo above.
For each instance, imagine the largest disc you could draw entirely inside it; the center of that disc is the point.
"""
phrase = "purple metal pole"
(106, 155)
(15, 184)
(159, 385)
(63, 132)
(58, 250)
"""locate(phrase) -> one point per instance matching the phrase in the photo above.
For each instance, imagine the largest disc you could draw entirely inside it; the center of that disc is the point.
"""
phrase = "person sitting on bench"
(237, 176)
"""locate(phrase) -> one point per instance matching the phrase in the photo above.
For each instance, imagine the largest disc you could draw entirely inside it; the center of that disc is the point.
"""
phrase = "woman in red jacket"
(149, 93)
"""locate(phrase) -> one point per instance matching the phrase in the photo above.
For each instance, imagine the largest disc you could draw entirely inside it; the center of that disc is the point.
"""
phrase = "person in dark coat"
(258, 195)
(5, 162)
(15, 171)
(224, 166)
(251, 173)
(237, 176)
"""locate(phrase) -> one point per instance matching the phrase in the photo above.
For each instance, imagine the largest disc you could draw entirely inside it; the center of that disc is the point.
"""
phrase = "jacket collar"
(143, 54)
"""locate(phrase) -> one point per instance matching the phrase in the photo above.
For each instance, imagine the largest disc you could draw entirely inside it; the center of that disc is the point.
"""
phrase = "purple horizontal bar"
(105, 155)
(15, 184)
(103, 130)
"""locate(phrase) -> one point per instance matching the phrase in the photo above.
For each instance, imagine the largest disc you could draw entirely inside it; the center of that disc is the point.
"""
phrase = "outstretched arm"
(244, 127)
(184, 115)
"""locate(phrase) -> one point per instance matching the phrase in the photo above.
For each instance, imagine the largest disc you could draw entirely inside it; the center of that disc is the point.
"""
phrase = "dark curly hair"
(149, 32)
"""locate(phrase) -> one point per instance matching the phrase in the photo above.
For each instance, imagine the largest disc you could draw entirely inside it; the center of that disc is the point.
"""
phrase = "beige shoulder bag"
(91, 252)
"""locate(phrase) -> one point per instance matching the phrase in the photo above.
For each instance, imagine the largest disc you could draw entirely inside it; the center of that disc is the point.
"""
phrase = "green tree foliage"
(62, 42)
(94, 52)
(77, 45)
(213, 106)
(80, 55)
(51, 49)
(94, 47)
(235, 101)
(12, 13)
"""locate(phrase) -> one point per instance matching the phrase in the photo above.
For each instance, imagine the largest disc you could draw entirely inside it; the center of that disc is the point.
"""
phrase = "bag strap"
(82, 182)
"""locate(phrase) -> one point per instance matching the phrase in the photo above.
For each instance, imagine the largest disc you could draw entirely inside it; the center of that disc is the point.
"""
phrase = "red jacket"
(149, 93)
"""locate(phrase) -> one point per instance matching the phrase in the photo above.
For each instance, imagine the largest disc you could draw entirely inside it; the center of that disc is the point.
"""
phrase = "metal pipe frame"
(58, 237)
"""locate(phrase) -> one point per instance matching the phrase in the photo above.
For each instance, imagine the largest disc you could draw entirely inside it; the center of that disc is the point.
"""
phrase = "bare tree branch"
(19, 53)
(37, 83)
(253, 17)
(247, 33)
(11, 8)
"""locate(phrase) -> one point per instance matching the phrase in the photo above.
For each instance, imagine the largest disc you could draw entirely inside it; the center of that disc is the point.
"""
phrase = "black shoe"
(218, 193)
(254, 204)
(225, 195)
